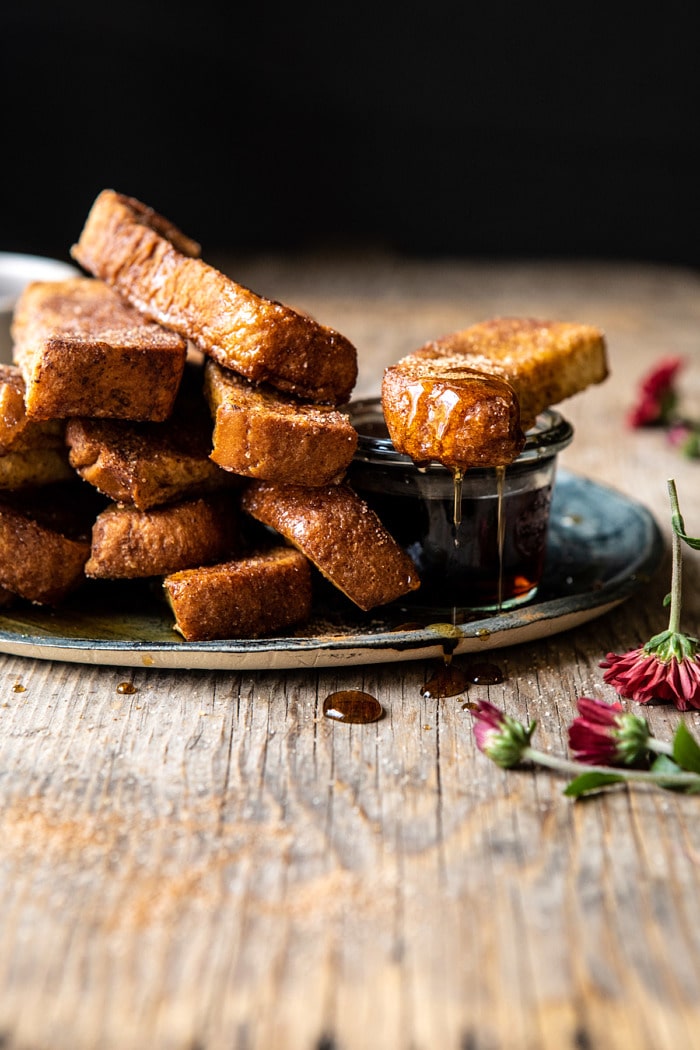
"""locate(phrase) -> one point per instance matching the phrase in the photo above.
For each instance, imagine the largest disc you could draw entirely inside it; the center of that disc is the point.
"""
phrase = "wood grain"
(209, 864)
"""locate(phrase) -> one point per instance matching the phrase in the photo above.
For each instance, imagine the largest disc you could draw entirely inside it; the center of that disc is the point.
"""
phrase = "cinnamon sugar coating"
(340, 535)
(260, 338)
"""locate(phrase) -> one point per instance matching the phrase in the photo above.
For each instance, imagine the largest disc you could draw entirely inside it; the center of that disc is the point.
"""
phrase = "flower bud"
(501, 738)
(605, 734)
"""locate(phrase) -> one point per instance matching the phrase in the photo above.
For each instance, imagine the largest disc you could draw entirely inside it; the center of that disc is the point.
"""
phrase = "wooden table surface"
(209, 864)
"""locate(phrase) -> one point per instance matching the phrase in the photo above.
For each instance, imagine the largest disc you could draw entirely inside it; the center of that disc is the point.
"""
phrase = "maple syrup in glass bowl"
(482, 551)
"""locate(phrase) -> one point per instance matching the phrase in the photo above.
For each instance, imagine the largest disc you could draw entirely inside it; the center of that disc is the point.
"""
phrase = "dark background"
(435, 129)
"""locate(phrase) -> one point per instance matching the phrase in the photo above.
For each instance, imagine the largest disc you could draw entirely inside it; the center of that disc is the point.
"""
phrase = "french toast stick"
(127, 245)
(16, 430)
(262, 433)
(83, 351)
(32, 453)
(149, 464)
(247, 597)
(34, 465)
(42, 552)
(128, 543)
(451, 414)
(340, 535)
(544, 361)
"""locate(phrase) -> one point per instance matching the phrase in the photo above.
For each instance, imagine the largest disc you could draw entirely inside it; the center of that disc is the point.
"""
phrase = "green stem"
(674, 622)
(660, 746)
(565, 765)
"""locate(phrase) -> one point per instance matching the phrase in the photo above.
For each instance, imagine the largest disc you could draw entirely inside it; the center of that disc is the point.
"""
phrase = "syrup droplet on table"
(352, 705)
(484, 673)
(127, 688)
(450, 680)
(447, 681)
(18, 688)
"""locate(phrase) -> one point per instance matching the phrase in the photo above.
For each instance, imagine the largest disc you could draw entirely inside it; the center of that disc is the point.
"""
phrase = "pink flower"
(658, 396)
(654, 672)
(605, 734)
(501, 738)
(668, 666)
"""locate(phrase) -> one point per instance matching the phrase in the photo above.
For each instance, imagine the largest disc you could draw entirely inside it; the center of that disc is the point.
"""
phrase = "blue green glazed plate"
(603, 547)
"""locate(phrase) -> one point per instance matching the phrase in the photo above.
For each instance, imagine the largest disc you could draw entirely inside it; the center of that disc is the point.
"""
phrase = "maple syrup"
(478, 537)
(352, 705)
(448, 680)
(451, 679)
(484, 673)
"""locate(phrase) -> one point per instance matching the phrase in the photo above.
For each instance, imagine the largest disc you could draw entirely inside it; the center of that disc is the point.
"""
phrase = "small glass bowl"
(459, 557)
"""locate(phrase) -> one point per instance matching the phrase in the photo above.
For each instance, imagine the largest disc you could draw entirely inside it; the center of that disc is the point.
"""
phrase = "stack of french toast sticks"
(161, 421)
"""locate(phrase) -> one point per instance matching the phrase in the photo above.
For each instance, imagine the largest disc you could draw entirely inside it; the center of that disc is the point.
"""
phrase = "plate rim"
(512, 627)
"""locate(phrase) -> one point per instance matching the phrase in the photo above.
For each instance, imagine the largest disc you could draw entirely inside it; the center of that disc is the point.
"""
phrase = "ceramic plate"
(602, 548)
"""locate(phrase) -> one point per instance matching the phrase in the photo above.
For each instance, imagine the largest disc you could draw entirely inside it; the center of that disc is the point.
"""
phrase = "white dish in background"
(603, 547)
(16, 272)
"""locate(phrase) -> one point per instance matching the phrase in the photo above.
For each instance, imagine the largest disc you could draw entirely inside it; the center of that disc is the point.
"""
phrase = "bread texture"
(128, 245)
(544, 361)
(150, 464)
(340, 535)
(16, 430)
(42, 464)
(83, 351)
(262, 433)
(251, 596)
(38, 562)
(31, 453)
(451, 414)
(128, 543)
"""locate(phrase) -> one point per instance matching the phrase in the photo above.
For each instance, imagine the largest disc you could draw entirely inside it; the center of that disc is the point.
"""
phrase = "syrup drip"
(352, 705)
(450, 680)
(458, 476)
(500, 528)
(128, 688)
(448, 648)
(19, 688)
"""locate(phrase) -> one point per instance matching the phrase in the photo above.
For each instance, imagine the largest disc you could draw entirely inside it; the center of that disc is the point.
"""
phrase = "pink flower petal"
(642, 677)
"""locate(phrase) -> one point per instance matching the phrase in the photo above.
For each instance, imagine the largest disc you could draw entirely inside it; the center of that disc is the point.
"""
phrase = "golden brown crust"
(149, 464)
(544, 361)
(31, 453)
(340, 534)
(34, 466)
(16, 430)
(13, 417)
(83, 351)
(260, 433)
(128, 543)
(251, 596)
(38, 563)
(451, 414)
(260, 338)
(146, 216)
